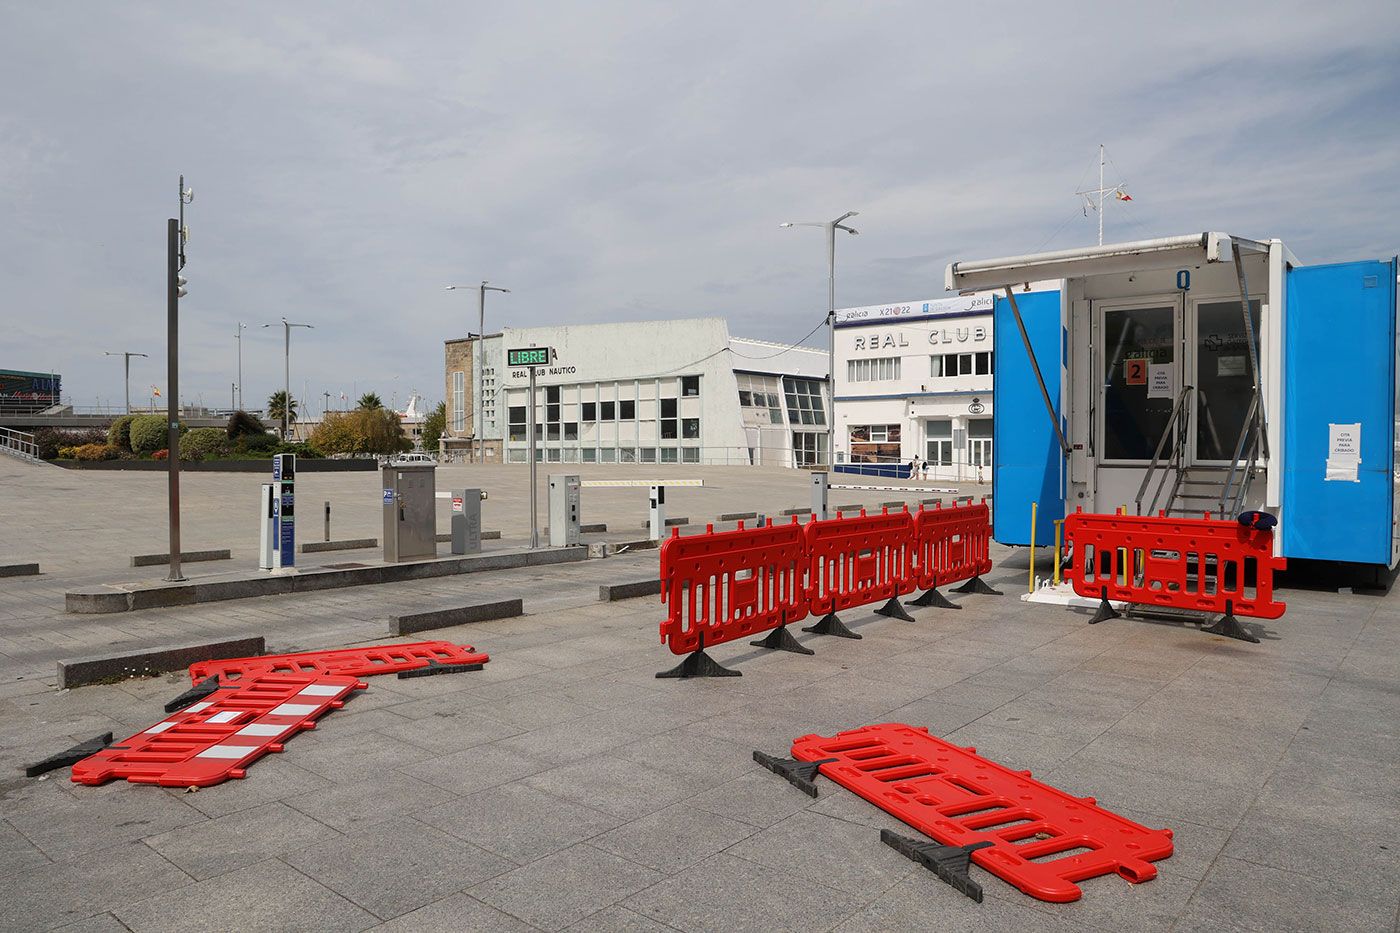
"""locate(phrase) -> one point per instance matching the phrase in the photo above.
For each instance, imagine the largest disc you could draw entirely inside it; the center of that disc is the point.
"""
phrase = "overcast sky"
(631, 161)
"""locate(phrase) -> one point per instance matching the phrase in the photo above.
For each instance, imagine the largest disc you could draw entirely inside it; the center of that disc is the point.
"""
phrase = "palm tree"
(277, 406)
(370, 402)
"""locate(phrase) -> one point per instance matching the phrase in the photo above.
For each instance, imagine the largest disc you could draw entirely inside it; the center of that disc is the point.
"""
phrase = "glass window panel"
(607, 455)
(590, 411)
(627, 410)
(571, 430)
(690, 385)
(590, 454)
(668, 408)
(690, 428)
(1223, 383)
(690, 455)
(1133, 338)
(648, 455)
(608, 411)
(670, 455)
(668, 428)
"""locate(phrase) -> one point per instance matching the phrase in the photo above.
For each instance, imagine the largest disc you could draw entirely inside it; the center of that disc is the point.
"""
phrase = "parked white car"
(404, 459)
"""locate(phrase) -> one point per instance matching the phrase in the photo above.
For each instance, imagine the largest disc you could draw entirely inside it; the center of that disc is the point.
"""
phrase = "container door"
(1339, 419)
(1029, 466)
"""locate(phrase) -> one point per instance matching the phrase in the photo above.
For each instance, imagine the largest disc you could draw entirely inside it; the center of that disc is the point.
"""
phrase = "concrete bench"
(142, 662)
(18, 570)
(457, 615)
(612, 592)
(349, 544)
(187, 557)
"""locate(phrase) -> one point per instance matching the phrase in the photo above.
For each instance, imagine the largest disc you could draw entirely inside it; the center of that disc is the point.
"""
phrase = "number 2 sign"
(1135, 372)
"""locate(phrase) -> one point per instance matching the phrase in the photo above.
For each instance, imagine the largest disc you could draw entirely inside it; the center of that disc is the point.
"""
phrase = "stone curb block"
(893, 504)
(77, 672)
(670, 522)
(643, 545)
(18, 570)
(458, 615)
(188, 557)
(795, 512)
(736, 516)
(348, 544)
(612, 592)
(485, 536)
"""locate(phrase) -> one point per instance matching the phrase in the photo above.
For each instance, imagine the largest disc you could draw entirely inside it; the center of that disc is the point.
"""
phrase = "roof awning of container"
(1163, 252)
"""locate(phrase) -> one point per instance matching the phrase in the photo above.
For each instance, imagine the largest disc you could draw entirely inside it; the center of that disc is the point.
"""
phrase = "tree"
(242, 424)
(362, 431)
(277, 403)
(370, 401)
(434, 426)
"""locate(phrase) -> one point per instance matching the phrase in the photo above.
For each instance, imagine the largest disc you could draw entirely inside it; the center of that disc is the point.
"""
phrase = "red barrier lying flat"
(951, 544)
(214, 740)
(346, 662)
(957, 797)
(720, 586)
(857, 560)
(1181, 563)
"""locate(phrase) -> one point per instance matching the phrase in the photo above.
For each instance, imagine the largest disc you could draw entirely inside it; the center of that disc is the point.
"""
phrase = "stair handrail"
(1250, 426)
(1177, 410)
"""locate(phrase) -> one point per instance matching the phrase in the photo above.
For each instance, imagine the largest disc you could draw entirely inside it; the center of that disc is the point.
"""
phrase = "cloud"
(624, 161)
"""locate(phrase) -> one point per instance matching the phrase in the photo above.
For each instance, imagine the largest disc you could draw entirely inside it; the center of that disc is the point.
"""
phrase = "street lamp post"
(238, 335)
(287, 372)
(126, 356)
(830, 226)
(479, 362)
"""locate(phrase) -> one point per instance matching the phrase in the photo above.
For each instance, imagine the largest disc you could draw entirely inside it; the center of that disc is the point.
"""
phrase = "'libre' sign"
(530, 356)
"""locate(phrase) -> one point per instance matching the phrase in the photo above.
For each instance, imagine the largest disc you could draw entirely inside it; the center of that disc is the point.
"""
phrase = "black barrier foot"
(977, 585)
(831, 624)
(935, 599)
(1106, 611)
(780, 639)
(894, 610)
(434, 668)
(800, 774)
(951, 863)
(1230, 627)
(699, 664)
(198, 692)
(74, 755)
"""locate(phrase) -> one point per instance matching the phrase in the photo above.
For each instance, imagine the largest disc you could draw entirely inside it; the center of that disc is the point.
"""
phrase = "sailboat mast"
(1101, 193)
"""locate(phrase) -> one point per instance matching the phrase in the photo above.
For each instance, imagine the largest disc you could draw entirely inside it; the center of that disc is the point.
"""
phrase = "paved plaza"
(565, 787)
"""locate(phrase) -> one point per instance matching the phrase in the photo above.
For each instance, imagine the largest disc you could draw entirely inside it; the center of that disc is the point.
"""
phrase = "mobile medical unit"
(1144, 384)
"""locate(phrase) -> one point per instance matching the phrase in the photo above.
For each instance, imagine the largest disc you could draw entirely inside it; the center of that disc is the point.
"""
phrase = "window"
(627, 455)
(690, 386)
(551, 412)
(552, 455)
(690, 454)
(875, 443)
(668, 429)
(551, 394)
(648, 455)
(627, 411)
(571, 430)
(690, 428)
(608, 411)
(459, 402)
(961, 364)
(939, 435)
(808, 449)
(515, 456)
(517, 422)
(607, 455)
(745, 398)
(669, 455)
(668, 408)
(590, 455)
(571, 455)
(804, 401)
(590, 411)
(759, 395)
(553, 432)
(979, 442)
(877, 370)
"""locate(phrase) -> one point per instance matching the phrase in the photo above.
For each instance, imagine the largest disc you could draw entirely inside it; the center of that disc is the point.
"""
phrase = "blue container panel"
(1339, 361)
(889, 470)
(1028, 462)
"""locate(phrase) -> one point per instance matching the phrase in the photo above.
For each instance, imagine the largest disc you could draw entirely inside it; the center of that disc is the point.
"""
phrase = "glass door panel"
(1223, 384)
(1137, 342)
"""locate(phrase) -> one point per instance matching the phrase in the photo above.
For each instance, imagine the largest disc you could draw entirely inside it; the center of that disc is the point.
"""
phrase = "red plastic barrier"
(728, 584)
(951, 544)
(958, 797)
(1180, 563)
(214, 740)
(857, 560)
(346, 662)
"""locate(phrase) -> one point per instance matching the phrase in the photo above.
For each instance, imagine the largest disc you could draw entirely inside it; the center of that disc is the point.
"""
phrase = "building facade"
(681, 391)
(914, 383)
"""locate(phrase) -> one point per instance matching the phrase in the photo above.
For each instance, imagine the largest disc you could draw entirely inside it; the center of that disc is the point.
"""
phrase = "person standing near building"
(913, 467)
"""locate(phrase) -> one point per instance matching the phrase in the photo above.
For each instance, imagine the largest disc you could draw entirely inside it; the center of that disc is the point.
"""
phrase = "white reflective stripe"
(261, 729)
(226, 751)
(198, 707)
(293, 709)
(160, 726)
(226, 716)
(320, 690)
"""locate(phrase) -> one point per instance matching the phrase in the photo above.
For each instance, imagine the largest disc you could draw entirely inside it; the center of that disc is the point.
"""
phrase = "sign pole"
(530, 430)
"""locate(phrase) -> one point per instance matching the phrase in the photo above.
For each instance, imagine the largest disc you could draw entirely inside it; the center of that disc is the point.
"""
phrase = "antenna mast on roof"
(1094, 198)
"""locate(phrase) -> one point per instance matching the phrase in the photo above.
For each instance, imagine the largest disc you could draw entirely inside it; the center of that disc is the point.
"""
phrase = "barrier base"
(76, 754)
(950, 863)
(434, 668)
(894, 610)
(800, 774)
(780, 639)
(1230, 627)
(935, 599)
(1105, 610)
(196, 693)
(699, 664)
(977, 585)
(831, 624)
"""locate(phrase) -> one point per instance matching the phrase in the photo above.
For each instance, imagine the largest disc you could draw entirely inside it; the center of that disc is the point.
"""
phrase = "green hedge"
(119, 434)
(204, 444)
(148, 433)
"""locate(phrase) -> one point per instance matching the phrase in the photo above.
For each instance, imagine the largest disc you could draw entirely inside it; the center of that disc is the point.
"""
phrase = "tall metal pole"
(238, 335)
(831, 341)
(478, 440)
(126, 381)
(1101, 192)
(286, 377)
(172, 346)
(530, 430)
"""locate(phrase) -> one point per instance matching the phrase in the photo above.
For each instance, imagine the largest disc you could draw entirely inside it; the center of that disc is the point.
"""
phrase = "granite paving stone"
(518, 821)
(565, 887)
(458, 913)
(672, 839)
(246, 837)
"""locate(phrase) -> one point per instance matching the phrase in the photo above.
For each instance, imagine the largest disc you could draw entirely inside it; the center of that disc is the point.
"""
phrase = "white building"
(914, 382)
(646, 392)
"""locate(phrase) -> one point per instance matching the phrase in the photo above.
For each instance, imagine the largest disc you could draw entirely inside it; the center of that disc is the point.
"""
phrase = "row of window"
(608, 455)
(689, 428)
(885, 369)
(880, 443)
(876, 370)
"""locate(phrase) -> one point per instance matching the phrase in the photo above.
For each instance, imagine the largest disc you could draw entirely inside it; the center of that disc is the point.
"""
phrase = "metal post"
(126, 361)
(328, 520)
(480, 366)
(530, 430)
(172, 346)
(286, 377)
(831, 342)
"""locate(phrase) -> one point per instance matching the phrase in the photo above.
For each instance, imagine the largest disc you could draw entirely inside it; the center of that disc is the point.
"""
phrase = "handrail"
(1250, 424)
(20, 443)
(1157, 454)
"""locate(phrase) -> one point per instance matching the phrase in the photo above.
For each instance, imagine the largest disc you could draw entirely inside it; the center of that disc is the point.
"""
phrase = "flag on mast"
(1122, 195)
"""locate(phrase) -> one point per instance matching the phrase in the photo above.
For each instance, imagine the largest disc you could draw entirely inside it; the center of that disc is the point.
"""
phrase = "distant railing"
(67, 408)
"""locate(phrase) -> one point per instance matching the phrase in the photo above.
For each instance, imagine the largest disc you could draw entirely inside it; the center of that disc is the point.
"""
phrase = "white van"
(403, 459)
